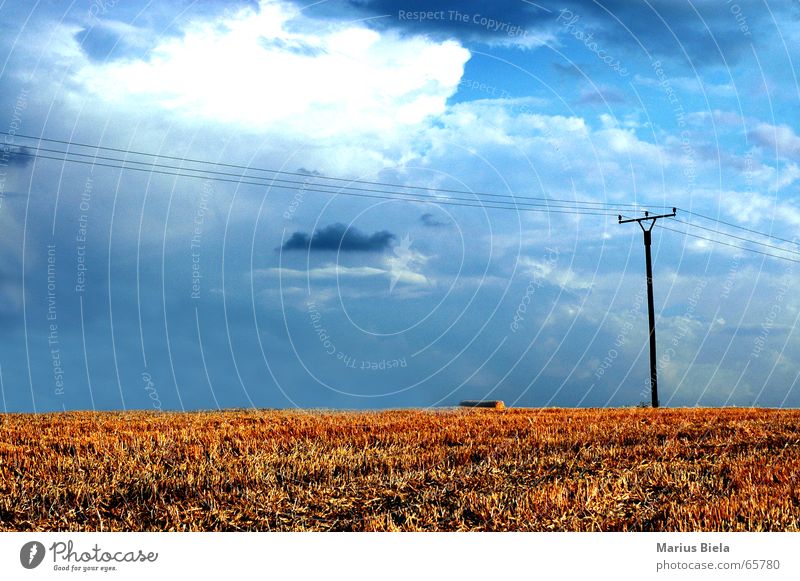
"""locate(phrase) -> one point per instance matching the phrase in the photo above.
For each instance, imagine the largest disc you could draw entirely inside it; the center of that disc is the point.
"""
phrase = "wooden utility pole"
(650, 308)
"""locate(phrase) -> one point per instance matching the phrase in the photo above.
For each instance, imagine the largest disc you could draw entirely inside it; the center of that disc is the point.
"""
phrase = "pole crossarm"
(647, 216)
(647, 231)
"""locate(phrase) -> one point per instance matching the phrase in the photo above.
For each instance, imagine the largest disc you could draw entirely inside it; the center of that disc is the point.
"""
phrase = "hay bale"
(495, 404)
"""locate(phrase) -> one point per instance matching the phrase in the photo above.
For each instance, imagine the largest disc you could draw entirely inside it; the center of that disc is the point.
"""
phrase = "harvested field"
(446, 470)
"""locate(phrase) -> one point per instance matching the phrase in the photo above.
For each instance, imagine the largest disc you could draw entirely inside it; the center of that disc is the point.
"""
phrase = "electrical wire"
(715, 241)
(271, 181)
(419, 199)
(421, 195)
(323, 177)
(732, 225)
(737, 237)
(728, 244)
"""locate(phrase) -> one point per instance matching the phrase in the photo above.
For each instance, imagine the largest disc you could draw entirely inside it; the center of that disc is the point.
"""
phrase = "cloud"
(760, 209)
(547, 269)
(402, 264)
(493, 23)
(718, 117)
(15, 156)
(403, 267)
(708, 32)
(696, 85)
(340, 238)
(569, 70)
(520, 145)
(396, 272)
(781, 139)
(601, 95)
(274, 68)
(326, 272)
(428, 220)
(108, 40)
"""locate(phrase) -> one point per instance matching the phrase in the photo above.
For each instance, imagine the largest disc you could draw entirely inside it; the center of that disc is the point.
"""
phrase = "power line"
(419, 199)
(737, 237)
(715, 241)
(742, 238)
(324, 177)
(503, 201)
(732, 225)
(271, 181)
(731, 245)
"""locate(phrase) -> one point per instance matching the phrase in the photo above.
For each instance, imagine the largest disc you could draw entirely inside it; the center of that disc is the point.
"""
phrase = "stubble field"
(444, 470)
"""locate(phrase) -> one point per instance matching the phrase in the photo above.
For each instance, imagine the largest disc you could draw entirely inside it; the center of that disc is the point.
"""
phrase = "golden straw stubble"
(438, 470)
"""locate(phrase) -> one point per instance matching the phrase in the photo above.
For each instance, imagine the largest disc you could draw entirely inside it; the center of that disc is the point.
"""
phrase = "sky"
(524, 128)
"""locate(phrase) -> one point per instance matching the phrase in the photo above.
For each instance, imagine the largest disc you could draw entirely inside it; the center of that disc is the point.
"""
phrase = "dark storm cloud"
(428, 220)
(711, 32)
(339, 237)
(481, 20)
(308, 172)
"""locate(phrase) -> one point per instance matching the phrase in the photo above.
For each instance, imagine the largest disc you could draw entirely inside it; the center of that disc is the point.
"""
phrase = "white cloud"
(691, 85)
(324, 272)
(275, 69)
(787, 176)
(547, 269)
(719, 117)
(759, 209)
(402, 264)
(779, 139)
(396, 269)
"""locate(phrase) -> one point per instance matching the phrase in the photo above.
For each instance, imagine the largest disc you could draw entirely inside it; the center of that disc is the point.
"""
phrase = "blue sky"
(134, 289)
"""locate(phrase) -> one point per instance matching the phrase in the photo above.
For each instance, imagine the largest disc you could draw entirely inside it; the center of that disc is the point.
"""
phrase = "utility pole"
(650, 308)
